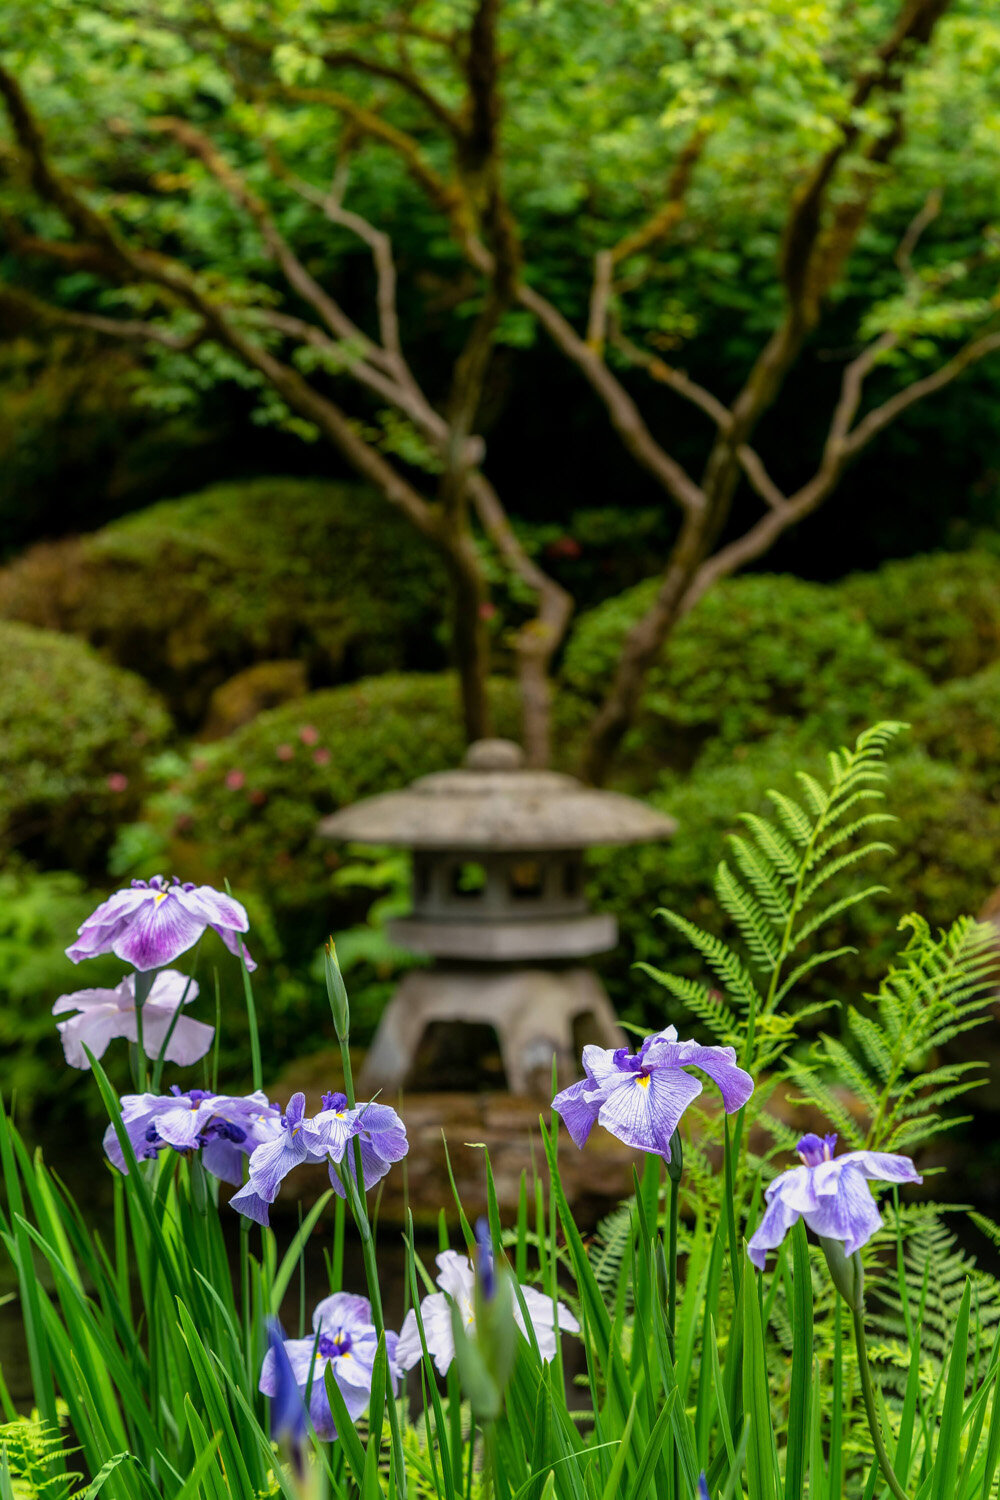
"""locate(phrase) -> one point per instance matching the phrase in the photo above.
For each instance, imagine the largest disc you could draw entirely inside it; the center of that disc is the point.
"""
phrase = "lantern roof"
(494, 802)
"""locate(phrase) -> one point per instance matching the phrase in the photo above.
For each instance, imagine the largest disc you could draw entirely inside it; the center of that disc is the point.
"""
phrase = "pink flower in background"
(321, 757)
(309, 734)
(117, 782)
(234, 780)
(487, 610)
(285, 752)
(258, 798)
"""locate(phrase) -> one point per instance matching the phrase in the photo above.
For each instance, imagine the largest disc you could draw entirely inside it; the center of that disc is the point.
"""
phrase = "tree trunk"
(470, 637)
(642, 645)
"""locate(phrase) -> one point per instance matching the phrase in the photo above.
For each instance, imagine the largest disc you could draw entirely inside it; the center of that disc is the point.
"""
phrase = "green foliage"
(944, 858)
(935, 991)
(959, 724)
(936, 1269)
(249, 805)
(757, 653)
(190, 591)
(941, 610)
(781, 893)
(74, 735)
(39, 913)
(692, 1364)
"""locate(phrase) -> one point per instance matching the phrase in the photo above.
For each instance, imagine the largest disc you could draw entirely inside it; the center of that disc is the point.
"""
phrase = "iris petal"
(157, 934)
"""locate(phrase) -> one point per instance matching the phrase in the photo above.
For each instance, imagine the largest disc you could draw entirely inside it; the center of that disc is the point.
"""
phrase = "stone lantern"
(498, 901)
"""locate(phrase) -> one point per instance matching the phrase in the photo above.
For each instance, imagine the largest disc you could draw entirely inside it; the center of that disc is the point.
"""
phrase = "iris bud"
(337, 991)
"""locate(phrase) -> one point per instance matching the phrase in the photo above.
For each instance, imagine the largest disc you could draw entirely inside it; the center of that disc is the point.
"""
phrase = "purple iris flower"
(288, 1411)
(321, 1137)
(155, 921)
(640, 1097)
(345, 1338)
(105, 1014)
(382, 1135)
(224, 1129)
(485, 1267)
(830, 1193)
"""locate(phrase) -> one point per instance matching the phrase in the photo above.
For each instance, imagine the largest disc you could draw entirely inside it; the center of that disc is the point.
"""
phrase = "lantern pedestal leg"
(537, 1014)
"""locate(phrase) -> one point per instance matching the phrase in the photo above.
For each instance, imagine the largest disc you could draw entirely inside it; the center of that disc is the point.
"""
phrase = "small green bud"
(335, 988)
(846, 1272)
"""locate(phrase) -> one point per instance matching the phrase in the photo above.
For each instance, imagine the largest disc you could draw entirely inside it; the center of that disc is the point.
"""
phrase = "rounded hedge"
(960, 724)
(75, 733)
(943, 864)
(757, 653)
(248, 807)
(941, 611)
(189, 592)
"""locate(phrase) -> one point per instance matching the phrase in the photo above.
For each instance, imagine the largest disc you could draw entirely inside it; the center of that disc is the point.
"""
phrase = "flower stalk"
(354, 1188)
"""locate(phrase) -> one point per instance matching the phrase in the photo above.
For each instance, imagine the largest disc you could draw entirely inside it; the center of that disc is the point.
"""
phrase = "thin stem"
(144, 981)
(674, 1169)
(868, 1393)
(354, 1188)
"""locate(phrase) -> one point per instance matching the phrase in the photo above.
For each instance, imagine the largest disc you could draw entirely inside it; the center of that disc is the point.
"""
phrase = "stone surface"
(498, 806)
(537, 1014)
(505, 940)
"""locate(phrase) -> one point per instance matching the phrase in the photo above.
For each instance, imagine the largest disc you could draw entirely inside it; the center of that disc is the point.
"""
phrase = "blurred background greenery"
(212, 633)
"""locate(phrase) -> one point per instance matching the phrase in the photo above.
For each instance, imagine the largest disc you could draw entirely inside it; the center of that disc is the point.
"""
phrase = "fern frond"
(721, 959)
(709, 1006)
(835, 867)
(774, 846)
(835, 909)
(767, 884)
(754, 924)
(796, 820)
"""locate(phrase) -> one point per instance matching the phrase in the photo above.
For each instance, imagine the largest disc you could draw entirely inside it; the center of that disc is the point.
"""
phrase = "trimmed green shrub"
(757, 653)
(941, 611)
(39, 913)
(944, 863)
(75, 734)
(248, 806)
(960, 724)
(191, 591)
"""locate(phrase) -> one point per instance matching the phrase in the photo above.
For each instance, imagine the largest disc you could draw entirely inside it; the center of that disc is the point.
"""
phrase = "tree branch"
(677, 380)
(19, 310)
(656, 228)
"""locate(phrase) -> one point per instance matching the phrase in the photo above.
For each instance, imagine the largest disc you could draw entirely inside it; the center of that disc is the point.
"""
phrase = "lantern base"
(533, 1011)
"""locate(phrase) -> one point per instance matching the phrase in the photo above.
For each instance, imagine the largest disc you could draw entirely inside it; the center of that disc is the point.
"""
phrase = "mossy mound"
(959, 724)
(941, 611)
(75, 734)
(757, 654)
(248, 807)
(191, 591)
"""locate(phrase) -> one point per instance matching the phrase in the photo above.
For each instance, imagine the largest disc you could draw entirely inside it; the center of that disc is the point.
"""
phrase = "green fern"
(32, 1461)
(774, 892)
(934, 1271)
(889, 1056)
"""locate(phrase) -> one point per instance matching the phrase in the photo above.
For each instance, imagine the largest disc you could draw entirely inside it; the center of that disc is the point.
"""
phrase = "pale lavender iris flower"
(345, 1339)
(830, 1193)
(640, 1097)
(457, 1280)
(154, 922)
(323, 1137)
(222, 1127)
(103, 1015)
